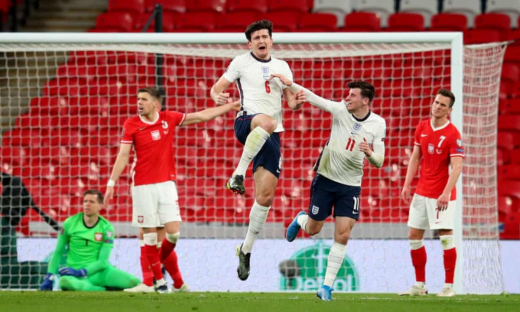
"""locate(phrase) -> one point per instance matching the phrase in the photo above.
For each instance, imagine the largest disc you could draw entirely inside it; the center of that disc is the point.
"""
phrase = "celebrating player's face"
(146, 104)
(261, 44)
(91, 206)
(441, 106)
(354, 100)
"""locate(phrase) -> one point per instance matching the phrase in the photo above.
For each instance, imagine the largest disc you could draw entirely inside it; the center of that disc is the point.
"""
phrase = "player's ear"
(249, 44)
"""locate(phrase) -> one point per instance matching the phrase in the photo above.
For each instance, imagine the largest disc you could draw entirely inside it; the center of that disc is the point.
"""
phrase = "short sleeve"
(176, 118)
(456, 147)
(418, 132)
(233, 71)
(126, 135)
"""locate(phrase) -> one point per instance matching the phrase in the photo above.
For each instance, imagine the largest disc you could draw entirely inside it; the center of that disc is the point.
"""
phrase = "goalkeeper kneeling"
(90, 239)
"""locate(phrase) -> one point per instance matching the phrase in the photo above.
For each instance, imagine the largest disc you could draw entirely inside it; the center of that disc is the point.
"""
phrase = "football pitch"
(277, 302)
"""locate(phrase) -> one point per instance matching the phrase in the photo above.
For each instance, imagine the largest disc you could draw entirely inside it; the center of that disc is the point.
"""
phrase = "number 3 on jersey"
(267, 87)
(350, 144)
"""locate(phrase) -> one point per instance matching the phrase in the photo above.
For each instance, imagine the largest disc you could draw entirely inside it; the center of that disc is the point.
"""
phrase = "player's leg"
(320, 207)
(147, 285)
(252, 131)
(443, 221)
(417, 224)
(78, 284)
(145, 215)
(114, 278)
(169, 214)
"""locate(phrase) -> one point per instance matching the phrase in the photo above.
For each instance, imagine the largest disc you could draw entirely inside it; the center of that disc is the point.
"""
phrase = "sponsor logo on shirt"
(98, 237)
(156, 135)
(315, 209)
(431, 148)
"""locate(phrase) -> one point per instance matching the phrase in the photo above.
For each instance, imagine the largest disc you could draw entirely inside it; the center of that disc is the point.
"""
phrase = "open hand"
(282, 78)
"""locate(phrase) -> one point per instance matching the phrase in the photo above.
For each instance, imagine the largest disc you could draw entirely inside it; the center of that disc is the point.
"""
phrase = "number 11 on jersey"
(350, 144)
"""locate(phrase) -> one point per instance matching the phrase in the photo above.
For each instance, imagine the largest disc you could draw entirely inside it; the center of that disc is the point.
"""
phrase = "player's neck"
(90, 221)
(439, 122)
(151, 117)
(266, 58)
(361, 113)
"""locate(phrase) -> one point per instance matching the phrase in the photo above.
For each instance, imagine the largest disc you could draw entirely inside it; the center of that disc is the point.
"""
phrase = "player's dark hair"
(448, 93)
(263, 24)
(367, 89)
(152, 91)
(98, 194)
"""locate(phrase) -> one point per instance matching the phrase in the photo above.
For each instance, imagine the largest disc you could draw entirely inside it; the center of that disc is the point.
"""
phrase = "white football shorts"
(155, 204)
(424, 214)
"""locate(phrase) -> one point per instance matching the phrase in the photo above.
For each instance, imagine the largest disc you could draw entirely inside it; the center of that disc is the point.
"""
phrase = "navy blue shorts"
(269, 156)
(326, 194)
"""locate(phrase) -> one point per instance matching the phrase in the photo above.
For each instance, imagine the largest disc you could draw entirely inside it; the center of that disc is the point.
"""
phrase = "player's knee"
(150, 239)
(414, 235)
(342, 238)
(173, 238)
(447, 242)
(265, 199)
(416, 244)
(268, 124)
(313, 228)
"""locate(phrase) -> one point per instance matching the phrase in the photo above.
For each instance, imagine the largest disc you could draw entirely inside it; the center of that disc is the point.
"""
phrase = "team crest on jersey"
(315, 209)
(357, 127)
(265, 72)
(156, 135)
(459, 142)
(140, 219)
(98, 237)
(431, 148)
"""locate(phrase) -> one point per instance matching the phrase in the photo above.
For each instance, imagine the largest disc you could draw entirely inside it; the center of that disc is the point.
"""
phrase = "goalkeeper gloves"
(48, 282)
(73, 272)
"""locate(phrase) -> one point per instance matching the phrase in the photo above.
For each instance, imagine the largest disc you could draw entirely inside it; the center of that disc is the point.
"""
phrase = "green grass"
(275, 302)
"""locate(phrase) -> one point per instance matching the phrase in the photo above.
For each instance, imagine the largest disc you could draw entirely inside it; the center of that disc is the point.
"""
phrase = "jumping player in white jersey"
(154, 192)
(257, 126)
(339, 169)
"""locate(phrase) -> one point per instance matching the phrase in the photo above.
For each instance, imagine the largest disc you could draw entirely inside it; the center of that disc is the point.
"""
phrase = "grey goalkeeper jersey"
(341, 160)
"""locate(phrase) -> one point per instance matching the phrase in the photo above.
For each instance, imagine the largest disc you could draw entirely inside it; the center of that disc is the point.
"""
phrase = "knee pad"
(173, 238)
(416, 243)
(447, 242)
(150, 239)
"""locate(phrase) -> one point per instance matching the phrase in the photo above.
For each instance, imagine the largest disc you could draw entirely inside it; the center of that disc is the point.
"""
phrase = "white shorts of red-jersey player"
(155, 204)
(424, 215)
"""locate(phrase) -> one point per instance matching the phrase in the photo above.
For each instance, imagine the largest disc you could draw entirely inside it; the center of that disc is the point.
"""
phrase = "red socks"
(152, 255)
(145, 268)
(419, 262)
(450, 259)
(171, 265)
(166, 248)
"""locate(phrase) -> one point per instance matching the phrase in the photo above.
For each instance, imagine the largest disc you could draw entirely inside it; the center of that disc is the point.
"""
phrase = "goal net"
(64, 100)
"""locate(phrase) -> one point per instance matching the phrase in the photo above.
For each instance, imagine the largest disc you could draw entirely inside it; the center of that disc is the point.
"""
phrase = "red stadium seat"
(235, 21)
(83, 71)
(475, 36)
(206, 6)
(494, 21)
(258, 6)
(137, 6)
(25, 137)
(105, 137)
(106, 87)
(15, 156)
(289, 6)
(506, 140)
(122, 21)
(169, 18)
(405, 22)
(318, 22)
(449, 22)
(65, 87)
(362, 21)
(36, 121)
(284, 21)
(510, 122)
(168, 5)
(197, 22)
(49, 105)
(508, 172)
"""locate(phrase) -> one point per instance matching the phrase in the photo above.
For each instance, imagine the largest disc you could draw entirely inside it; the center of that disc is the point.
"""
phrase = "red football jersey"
(153, 145)
(437, 147)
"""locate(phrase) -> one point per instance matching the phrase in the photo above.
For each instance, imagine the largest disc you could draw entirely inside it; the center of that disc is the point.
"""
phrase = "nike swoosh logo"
(140, 129)
(423, 135)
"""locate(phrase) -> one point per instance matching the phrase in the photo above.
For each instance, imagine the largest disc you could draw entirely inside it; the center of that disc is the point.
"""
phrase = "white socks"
(254, 142)
(336, 256)
(447, 242)
(257, 218)
(302, 222)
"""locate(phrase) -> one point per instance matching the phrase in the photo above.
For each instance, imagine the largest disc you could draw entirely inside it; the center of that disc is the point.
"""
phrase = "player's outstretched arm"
(121, 161)
(210, 113)
(310, 96)
(413, 165)
(54, 263)
(217, 91)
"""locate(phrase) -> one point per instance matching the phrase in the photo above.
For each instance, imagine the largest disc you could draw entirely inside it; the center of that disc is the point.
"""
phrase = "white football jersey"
(258, 94)
(341, 160)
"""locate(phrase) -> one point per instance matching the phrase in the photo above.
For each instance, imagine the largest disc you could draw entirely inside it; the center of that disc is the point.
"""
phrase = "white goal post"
(399, 54)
